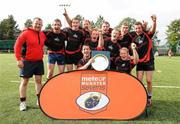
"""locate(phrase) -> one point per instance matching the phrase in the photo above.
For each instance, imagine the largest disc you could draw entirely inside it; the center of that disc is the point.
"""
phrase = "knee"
(149, 82)
(38, 80)
(50, 72)
(140, 77)
(49, 75)
(24, 84)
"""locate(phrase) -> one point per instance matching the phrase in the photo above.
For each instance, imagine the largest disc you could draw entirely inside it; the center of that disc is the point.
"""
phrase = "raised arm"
(101, 40)
(144, 24)
(135, 56)
(69, 21)
(153, 28)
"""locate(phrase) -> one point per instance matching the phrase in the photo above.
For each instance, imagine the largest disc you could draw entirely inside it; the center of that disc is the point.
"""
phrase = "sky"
(112, 10)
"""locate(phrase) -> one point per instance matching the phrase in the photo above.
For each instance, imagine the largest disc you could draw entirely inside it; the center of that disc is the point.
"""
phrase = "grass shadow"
(163, 110)
(32, 107)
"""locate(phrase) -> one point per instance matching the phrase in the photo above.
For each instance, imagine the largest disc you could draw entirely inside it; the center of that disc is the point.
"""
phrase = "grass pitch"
(166, 96)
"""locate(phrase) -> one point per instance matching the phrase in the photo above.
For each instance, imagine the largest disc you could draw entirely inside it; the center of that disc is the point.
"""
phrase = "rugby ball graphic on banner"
(92, 101)
(91, 94)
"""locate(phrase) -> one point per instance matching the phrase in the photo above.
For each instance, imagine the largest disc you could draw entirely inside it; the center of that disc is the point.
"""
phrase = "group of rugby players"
(73, 45)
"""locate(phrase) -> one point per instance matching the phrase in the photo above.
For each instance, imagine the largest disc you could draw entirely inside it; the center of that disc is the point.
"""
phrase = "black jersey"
(92, 45)
(123, 65)
(55, 42)
(144, 47)
(82, 62)
(75, 39)
(87, 33)
(113, 48)
(126, 41)
(106, 36)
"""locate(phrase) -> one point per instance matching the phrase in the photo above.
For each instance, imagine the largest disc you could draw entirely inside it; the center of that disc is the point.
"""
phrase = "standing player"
(56, 48)
(30, 62)
(75, 40)
(146, 59)
(170, 53)
(96, 40)
(87, 28)
(125, 38)
(86, 24)
(113, 47)
(106, 30)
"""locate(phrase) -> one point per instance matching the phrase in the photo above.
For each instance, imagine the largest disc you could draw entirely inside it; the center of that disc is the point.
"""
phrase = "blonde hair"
(124, 48)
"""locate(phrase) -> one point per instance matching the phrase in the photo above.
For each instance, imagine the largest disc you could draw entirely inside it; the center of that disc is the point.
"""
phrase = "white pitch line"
(175, 87)
(168, 87)
(20, 81)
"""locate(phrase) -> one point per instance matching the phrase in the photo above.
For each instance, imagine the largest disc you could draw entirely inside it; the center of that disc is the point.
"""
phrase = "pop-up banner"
(90, 94)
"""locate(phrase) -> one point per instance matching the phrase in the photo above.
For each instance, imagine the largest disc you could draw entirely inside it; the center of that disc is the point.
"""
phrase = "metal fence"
(7, 45)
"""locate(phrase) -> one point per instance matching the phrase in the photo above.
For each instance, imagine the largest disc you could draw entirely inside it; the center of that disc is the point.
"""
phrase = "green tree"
(156, 42)
(28, 23)
(92, 24)
(8, 28)
(129, 21)
(80, 18)
(173, 34)
(48, 27)
(2, 30)
(99, 22)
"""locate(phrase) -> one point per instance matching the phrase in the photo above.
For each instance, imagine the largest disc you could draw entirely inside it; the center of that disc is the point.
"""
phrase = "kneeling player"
(125, 62)
(85, 62)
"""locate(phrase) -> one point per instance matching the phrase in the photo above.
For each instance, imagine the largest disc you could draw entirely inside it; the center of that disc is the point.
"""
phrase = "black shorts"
(146, 66)
(73, 58)
(32, 68)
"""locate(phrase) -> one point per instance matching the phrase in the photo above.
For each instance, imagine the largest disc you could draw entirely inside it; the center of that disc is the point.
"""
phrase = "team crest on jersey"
(56, 39)
(140, 41)
(93, 88)
(110, 47)
(75, 35)
(123, 65)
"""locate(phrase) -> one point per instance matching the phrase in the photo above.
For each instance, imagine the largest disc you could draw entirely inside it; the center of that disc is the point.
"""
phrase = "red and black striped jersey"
(144, 46)
(123, 65)
(75, 39)
(87, 33)
(92, 45)
(126, 41)
(55, 42)
(82, 62)
(113, 48)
